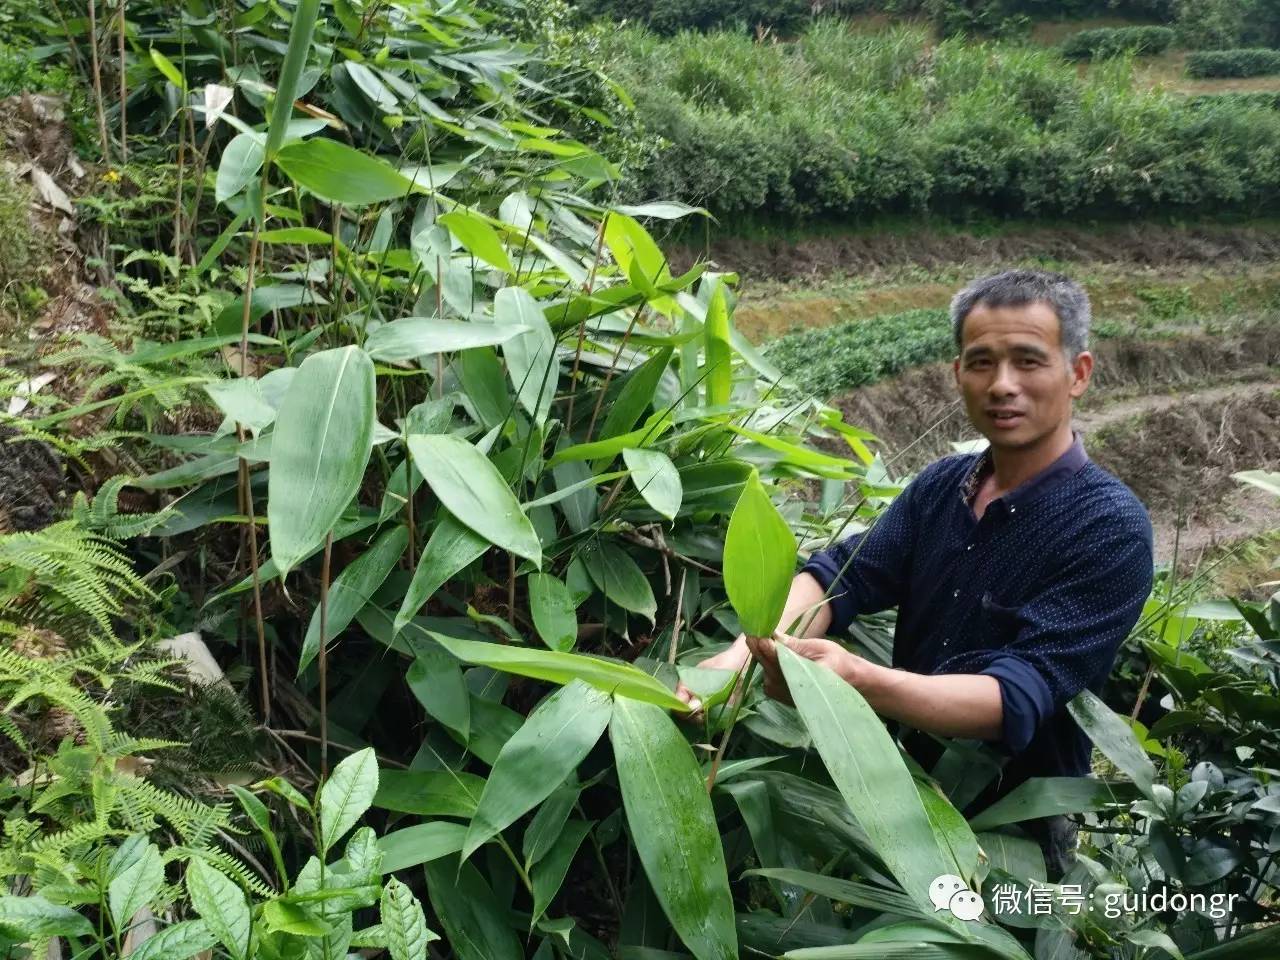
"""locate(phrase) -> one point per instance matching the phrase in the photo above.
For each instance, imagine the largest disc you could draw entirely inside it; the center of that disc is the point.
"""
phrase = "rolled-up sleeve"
(868, 572)
(1070, 632)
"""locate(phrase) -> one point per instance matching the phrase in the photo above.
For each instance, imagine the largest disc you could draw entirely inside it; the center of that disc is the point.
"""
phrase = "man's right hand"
(732, 658)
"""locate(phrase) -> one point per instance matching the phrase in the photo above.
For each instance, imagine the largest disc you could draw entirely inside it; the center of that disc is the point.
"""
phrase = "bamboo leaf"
(240, 163)
(341, 174)
(759, 560)
(531, 356)
(656, 479)
(420, 844)
(474, 924)
(555, 615)
(718, 349)
(620, 679)
(554, 739)
(1114, 737)
(436, 680)
(472, 489)
(620, 578)
(451, 546)
(673, 827)
(548, 876)
(320, 446)
(412, 337)
(346, 795)
(869, 772)
(242, 400)
(353, 588)
(477, 237)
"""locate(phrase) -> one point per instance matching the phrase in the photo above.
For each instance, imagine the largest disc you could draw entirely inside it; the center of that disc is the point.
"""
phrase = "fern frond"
(103, 515)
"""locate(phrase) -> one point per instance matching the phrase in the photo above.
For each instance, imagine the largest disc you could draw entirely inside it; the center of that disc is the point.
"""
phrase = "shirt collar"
(1060, 470)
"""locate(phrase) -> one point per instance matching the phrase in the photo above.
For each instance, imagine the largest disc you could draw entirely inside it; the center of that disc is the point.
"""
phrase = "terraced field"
(1187, 384)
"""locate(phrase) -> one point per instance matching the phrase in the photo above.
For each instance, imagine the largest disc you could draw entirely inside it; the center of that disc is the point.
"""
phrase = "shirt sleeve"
(867, 572)
(1069, 633)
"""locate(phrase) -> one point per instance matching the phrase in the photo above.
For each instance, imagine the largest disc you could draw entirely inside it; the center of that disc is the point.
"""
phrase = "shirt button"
(969, 547)
(956, 594)
(946, 642)
(1013, 509)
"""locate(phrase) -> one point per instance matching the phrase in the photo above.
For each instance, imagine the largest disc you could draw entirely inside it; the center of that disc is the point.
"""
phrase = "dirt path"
(1093, 420)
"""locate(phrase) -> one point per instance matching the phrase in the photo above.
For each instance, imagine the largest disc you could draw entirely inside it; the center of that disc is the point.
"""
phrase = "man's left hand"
(828, 653)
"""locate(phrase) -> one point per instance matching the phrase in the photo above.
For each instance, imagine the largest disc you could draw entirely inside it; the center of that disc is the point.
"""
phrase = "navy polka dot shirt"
(1039, 593)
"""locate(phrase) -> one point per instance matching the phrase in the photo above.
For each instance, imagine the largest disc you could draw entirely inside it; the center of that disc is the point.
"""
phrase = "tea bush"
(1106, 42)
(1233, 63)
(839, 126)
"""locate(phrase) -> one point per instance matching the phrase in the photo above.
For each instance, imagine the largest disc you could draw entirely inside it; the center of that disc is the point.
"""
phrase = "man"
(1017, 572)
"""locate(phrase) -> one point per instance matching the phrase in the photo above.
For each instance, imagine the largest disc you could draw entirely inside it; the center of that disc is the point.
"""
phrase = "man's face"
(1016, 380)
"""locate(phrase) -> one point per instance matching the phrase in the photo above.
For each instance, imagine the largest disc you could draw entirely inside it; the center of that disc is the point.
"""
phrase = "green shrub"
(829, 360)
(1106, 42)
(1233, 63)
(839, 125)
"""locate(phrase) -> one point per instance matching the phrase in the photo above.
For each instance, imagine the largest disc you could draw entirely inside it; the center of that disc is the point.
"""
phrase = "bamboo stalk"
(97, 82)
(124, 88)
(323, 655)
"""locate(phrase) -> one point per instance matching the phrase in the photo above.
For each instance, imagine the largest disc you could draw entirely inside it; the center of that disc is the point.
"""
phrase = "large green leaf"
(673, 827)
(221, 905)
(430, 793)
(1112, 735)
(435, 677)
(320, 446)
(474, 924)
(301, 32)
(472, 489)
(451, 546)
(656, 478)
(478, 237)
(759, 560)
(420, 844)
(635, 395)
(554, 739)
(177, 942)
(717, 349)
(338, 173)
(412, 337)
(548, 875)
(869, 772)
(346, 795)
(621, 679)
(22, 918)
(404, 923)
(555, 615)
(1050, 796)
(243, 401)
(531, 356)
(135, 887)
(353, 588)
(619, 577)
(240, 163)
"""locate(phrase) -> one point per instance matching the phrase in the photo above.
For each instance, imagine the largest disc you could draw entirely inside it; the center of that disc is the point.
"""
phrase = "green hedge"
(840, 126)
(1106, 42)
(1233, 63)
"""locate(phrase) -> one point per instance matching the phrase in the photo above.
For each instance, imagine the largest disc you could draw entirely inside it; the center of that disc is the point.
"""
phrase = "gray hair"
(1019, 288)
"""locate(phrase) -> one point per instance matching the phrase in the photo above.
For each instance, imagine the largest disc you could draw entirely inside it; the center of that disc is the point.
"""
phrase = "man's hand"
(731, 658)
(828, 653)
